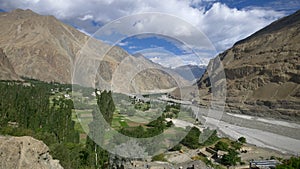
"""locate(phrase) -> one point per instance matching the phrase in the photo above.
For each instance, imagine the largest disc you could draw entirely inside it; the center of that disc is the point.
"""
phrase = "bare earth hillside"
(263, 71)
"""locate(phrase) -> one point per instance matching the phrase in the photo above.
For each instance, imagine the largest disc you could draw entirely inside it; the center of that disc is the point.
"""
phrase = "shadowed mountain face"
(41, 47)
(263, 72)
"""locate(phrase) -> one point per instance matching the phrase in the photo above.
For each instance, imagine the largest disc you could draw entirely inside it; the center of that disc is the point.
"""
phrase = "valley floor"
(279, 135)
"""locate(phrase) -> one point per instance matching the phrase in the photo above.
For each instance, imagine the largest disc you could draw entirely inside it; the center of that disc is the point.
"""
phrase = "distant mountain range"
(262, 72)
(43, 48)
(190, 72)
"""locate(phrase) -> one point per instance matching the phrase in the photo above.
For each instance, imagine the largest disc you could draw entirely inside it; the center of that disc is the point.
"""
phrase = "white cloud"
(123, 43)
(221, 24)
(168, 59)
(224, 25)
(86, 17)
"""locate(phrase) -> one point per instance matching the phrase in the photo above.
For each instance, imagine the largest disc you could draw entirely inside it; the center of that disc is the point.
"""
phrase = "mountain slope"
(41, 47)
(263, 72)
(135, 74)
(7, 72)
(171, 78)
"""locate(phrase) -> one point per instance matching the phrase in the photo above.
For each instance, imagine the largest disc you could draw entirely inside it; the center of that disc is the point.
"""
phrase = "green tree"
(99, 157)
(59, 151)
(242, 140)
(221, 146)
(32, 110)
(236, 145)
(208, 137)
(176, 148)
(191, 140)
(231, 158)
(159, 157)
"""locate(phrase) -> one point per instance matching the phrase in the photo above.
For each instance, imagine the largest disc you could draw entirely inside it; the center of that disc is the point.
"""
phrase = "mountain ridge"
(286, 21)
(262, 72)
(44, 48)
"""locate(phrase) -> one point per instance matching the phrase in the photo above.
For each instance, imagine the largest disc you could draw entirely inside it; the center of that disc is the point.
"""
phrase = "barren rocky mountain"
(147, 71)
(25, 152)
(136, 74)
(7, 72)
(263, 72)
(37, 46)
(41, 47)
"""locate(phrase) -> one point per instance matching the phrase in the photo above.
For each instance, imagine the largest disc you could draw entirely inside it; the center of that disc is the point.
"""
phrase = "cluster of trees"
(172, 110)
(235, 145)
(32, 110)
(154, 128)
(292, 163)
(28, 107)
(232, 157)
(98, 157)
(221, 146)
(193, 138)
(26, 110)
(142, 106)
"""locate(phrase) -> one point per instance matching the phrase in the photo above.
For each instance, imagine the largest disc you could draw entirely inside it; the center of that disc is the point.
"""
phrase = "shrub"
(242, 140)
(159, 157)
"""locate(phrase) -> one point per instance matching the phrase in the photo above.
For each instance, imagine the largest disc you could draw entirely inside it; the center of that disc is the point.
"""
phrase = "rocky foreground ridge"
(24, 153)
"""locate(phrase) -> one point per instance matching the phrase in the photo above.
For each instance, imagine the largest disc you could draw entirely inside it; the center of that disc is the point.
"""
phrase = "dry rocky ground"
(24, 153)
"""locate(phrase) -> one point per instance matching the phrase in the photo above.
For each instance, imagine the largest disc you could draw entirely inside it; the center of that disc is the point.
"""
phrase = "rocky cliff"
(24, 153)
(263, 72)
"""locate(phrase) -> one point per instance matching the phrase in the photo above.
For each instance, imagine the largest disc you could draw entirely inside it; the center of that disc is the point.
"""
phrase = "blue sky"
(280, 5)
(222, 22)
(137, 43)
(164, 50)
